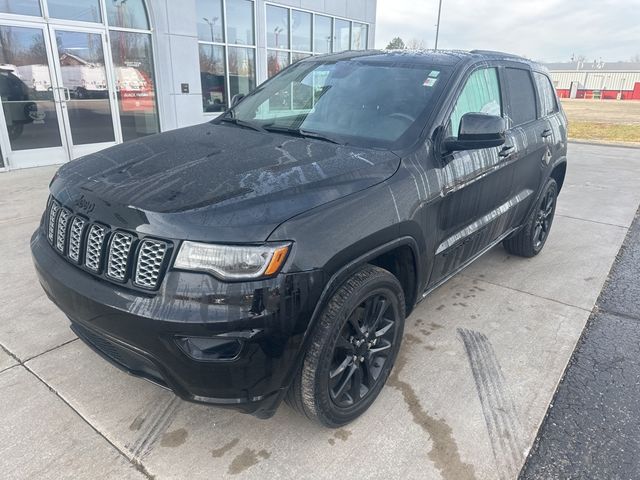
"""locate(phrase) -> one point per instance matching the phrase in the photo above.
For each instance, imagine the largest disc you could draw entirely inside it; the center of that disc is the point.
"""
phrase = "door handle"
(506, 151)
(547, 133)
(65, 97)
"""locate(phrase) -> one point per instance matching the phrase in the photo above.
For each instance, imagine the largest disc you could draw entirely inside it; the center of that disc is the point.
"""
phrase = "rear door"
(555, 123)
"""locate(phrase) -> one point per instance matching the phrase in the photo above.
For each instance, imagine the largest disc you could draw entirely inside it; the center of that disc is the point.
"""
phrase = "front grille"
(127, 258)
(61, 233)
(54, 208)
(95, 242)
(119, 255)
(150, 260)
(75, 238)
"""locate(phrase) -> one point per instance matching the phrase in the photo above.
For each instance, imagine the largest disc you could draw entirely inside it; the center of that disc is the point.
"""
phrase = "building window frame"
(226, 45)
(291, 52)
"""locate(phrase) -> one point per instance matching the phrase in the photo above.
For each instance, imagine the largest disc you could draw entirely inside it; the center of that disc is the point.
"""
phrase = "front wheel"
(353, 348)
(15, 130)
(528, 242)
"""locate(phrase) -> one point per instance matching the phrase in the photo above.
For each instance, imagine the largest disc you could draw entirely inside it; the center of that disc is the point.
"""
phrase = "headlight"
(232, 262)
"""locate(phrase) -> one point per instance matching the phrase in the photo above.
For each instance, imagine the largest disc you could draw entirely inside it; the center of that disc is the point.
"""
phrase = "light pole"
(438, 24)
(277, 31)
(211, 23)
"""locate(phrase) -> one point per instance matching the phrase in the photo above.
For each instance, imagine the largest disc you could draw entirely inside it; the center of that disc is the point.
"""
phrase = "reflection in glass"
(242, 68)
(298, 56)
(135, 85)
(79, 10)
(359, 36)
(214, 95)
(20, 7)
(342, 37)
(25, 87)
(276, 61)
(127, 14)
(84, 74)
(209, 20)
(322, 35)
(300, 31)
(277, 27)
(240, 22)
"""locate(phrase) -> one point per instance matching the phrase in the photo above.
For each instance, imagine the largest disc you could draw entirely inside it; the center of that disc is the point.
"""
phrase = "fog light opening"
(209, 349)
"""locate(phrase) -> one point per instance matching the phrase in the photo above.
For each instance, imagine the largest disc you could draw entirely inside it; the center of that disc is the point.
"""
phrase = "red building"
(608, 81)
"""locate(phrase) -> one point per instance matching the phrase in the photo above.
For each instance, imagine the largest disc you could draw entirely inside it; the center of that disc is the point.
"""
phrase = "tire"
(15, 130)
(326, 400)
(530, 240)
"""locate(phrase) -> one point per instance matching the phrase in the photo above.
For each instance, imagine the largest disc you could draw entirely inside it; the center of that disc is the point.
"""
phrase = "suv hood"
(215, 182)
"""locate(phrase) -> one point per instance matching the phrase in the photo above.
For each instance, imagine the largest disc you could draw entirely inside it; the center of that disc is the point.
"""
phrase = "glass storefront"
(227, 50)
(295, 34)
(26, 89)
(135, 83)
(224, 26)
(73, 83)
(77, 10)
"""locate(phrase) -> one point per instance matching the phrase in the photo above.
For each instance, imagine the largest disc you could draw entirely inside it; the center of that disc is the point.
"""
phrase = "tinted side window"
(481, 94)
(521, 95)
(548, 104)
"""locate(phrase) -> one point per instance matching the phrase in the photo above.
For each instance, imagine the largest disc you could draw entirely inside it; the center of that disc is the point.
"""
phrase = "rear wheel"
(529, 241)
(353, 348)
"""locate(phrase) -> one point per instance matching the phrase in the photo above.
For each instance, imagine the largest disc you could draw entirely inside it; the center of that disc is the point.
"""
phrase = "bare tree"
(416, 44)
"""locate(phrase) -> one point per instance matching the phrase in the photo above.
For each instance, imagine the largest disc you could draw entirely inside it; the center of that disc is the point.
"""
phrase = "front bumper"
(145, 334)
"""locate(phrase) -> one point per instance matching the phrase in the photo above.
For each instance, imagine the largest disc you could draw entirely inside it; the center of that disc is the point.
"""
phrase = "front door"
(56, 93)
(477, 190)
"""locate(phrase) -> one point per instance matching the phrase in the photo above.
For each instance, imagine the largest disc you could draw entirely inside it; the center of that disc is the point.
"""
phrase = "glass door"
(31, 129)
(85, 89)
(57, 94)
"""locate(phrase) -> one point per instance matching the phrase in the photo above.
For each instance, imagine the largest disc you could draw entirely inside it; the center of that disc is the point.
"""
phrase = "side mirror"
(478, 130)
(236, 99)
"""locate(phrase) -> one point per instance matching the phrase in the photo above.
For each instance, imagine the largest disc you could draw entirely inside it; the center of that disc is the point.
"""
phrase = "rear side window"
(481, 94)
(548, 103)
(521, 95)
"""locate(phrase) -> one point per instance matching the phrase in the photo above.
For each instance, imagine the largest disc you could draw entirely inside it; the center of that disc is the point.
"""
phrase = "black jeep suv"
(274, 252)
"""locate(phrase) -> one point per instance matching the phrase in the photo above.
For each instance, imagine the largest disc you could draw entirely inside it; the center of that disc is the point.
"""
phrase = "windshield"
(351, 101)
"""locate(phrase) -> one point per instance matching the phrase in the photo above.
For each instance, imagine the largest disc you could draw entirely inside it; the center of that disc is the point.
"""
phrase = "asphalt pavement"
(592, 430)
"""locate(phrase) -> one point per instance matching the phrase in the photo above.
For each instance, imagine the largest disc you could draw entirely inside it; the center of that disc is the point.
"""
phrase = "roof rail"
(494, 52)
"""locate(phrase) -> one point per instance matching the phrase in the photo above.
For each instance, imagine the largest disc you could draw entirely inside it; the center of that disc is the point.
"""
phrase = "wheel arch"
(380, 254)
(558, 173)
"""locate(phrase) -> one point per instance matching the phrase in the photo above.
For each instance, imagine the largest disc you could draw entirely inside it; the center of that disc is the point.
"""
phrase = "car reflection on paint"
(19, 110)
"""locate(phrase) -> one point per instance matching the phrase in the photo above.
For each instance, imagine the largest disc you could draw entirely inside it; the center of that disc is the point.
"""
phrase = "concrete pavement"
(480, 362)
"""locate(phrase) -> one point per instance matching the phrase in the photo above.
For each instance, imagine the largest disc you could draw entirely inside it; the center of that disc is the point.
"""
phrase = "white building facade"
(77, 76)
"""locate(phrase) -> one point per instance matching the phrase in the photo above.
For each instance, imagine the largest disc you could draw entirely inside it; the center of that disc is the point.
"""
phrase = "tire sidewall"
(551, 184)
(332, 323)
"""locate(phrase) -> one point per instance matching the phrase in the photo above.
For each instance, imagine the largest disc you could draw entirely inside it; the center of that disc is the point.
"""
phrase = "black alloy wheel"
(544, 218)
(352, 348)
(533, 235)
(361, 351)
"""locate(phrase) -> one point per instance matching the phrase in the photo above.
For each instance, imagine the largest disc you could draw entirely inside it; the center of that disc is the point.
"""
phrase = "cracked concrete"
(439, 417)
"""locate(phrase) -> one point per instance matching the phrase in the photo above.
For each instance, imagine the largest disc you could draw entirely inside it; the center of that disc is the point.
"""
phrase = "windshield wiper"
(242, 123)
(298, 132)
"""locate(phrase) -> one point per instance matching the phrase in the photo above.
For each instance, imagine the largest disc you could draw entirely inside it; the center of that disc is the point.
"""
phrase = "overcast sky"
(546, 30)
